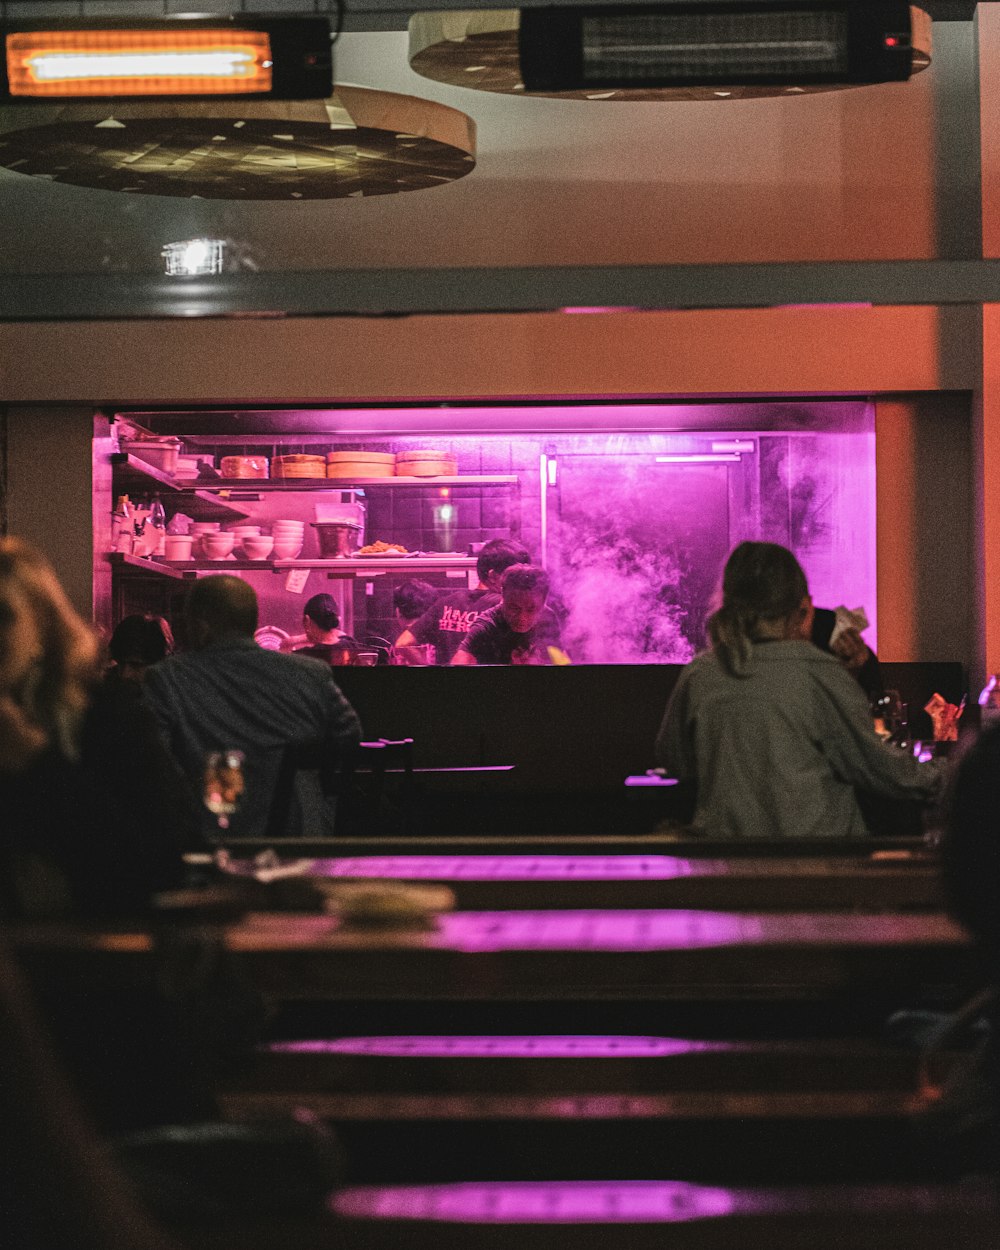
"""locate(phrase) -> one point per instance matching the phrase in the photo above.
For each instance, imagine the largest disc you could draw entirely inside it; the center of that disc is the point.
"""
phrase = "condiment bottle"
(122, 534)
(156, 528)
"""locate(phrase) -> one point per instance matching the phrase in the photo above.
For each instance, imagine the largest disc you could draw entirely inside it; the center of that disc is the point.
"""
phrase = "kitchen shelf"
(255, 485)
(347, 566)
(138, 566)
(134, 475)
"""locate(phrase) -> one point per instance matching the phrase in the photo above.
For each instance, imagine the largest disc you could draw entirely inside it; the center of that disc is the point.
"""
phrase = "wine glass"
(223, 785)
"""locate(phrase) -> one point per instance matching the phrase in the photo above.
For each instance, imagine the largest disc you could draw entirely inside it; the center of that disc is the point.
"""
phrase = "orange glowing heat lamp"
(288, 60)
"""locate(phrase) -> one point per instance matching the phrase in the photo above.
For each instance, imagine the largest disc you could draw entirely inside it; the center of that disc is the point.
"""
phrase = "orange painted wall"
(802, 351)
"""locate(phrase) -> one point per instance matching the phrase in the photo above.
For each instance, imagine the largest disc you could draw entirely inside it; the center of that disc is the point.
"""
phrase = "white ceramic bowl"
(206, 527)
(286, 549)
(258, 548)
(241, 531)
(286, 527)
(217, 546)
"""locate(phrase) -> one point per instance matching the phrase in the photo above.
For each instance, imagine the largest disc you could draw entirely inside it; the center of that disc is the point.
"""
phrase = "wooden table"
(660, 955)
(513, 1064)
(608, 844)
(636, 1215)
(516, 882)
(553, 956)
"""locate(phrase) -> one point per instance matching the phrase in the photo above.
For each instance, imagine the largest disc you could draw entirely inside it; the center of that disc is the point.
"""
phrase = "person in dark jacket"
(96, 813)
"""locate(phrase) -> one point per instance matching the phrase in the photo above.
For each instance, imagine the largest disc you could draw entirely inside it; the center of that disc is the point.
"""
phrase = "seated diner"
(774, 733)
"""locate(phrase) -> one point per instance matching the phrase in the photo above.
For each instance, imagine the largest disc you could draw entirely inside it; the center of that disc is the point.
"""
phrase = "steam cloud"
(621, 604)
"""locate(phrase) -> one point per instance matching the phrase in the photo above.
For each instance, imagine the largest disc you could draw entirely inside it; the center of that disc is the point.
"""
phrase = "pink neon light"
(593, 930)
(507, 867)
(539, 1202)
(544, 1046)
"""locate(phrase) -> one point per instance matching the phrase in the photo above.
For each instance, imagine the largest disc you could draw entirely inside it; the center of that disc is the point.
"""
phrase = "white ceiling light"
(194, 257)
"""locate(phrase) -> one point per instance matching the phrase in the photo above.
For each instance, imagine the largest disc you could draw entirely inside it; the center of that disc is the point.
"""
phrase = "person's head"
(320, 617)
(138, 642)
(495, 557)
(411, 600)
(764, 596)
(970, 851)
(48, 658)
(524, 589)
(220, 607)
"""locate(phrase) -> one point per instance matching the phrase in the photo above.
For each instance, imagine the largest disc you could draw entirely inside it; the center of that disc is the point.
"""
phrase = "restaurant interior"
(628, 328)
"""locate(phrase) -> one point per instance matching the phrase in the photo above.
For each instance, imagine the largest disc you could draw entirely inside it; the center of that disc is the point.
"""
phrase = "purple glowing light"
(538, 1202)
(595, 930)
(506, 867)
(542, 1046)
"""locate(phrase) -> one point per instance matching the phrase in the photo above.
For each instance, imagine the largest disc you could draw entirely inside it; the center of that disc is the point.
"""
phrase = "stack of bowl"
(288, 539)
(218, 546)
(257, 546)
(254, 545)
(198, 531)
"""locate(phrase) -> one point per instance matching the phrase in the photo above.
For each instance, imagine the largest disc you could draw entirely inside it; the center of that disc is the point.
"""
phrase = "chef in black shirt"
(446, 623)
(520, 629)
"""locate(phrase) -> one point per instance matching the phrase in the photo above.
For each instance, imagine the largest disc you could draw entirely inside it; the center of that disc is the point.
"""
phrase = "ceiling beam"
(375, 15)
(401, 292)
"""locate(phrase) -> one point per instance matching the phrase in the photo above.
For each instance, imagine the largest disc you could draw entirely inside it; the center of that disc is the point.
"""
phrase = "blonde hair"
(48, 659)
(762, 585)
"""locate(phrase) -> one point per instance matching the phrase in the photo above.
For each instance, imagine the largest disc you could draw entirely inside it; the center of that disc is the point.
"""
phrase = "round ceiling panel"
(479, 50)
(359, 143)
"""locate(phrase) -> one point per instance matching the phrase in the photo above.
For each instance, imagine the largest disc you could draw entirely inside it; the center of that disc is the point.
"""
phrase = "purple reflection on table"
(597, 930)
(584, 1046)
(538, 1202)
(507, 867)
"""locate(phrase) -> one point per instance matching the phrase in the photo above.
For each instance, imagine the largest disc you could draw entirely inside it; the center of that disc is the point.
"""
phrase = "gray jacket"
(780, 753)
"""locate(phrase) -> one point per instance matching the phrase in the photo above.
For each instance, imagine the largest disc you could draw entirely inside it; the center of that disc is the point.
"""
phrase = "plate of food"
(380, 548)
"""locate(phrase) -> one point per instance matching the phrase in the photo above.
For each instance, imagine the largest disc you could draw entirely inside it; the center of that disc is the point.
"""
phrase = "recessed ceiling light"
(194, 257)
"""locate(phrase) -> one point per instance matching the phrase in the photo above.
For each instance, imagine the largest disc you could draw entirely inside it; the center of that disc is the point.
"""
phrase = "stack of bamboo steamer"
(426, 464)
(298, 466)
(243, 466)
(360, 464)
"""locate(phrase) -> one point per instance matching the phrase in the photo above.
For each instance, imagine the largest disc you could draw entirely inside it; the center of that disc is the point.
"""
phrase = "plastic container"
(178, 546)
(337, 538)
(161, 453)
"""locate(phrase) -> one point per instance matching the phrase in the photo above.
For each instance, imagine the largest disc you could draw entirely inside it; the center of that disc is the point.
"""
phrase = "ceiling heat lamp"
(280, 59)
(759, 43)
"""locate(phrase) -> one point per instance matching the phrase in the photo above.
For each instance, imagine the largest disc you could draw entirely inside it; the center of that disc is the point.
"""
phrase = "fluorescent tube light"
(178, 58)
(700, 457)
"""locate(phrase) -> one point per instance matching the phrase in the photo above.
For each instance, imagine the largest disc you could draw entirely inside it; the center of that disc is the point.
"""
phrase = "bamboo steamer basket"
(428, 463)
(352, 464)
(298, 466)
(244, 466)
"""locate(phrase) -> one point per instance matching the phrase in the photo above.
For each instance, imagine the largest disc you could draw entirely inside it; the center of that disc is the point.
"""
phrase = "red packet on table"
(944, 716)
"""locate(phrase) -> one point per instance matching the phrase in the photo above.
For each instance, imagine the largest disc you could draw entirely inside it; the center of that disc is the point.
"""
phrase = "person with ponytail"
(774, 733)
